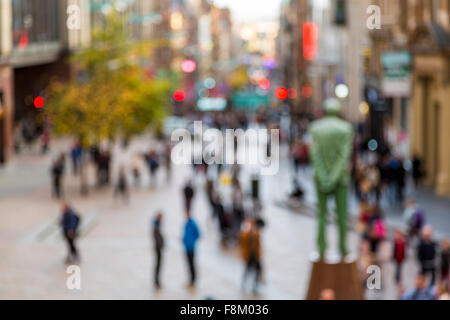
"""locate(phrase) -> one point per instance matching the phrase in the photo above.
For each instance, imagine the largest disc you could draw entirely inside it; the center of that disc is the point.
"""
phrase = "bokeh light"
(39, 102)
(310, 40)
(188, 66)
(292, 93)
(179, 95)
(264, 84)
(209, 83)
(307, 91)
(282, 93)
(341, 91)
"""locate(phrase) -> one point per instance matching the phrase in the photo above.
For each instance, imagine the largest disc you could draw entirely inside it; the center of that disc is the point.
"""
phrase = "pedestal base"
(342, 277)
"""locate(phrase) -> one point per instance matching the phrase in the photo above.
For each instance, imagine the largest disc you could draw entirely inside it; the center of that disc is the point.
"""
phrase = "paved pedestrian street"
(116, 251)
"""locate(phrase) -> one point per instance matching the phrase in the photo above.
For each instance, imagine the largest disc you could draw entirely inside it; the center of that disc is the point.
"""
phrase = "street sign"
(250, 101)
(397, 74)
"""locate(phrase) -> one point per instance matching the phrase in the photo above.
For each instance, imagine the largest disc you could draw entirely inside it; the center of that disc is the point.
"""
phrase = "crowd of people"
(237, 214)
(380, 180)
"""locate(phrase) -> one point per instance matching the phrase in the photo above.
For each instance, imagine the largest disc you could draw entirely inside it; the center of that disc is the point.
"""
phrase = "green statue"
(332, 141)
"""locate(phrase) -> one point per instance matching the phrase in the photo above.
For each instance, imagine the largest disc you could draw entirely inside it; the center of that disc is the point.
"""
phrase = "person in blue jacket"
(70, 222)
(190, 238)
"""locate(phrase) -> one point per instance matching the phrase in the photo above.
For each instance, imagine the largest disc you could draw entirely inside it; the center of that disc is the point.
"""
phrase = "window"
(34, 21)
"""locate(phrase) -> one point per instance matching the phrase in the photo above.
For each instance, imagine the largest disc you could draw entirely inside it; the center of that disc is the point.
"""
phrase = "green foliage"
(115, 96)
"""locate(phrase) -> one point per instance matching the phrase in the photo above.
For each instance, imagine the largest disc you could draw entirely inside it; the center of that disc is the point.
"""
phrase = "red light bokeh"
(39, 102)
(282, 93)
(179, 95)
(292, 93)
(310, 40)
(264, 84)
(307, 91)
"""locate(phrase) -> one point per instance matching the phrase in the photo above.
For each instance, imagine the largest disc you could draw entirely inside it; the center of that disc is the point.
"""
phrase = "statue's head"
(332, 107)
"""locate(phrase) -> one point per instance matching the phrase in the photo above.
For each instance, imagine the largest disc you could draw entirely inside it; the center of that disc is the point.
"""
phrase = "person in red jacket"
(399, 254)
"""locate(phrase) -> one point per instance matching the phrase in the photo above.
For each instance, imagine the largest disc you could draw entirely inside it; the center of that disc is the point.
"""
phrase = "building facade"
(422, 112)
(6, 84)
(35, 42)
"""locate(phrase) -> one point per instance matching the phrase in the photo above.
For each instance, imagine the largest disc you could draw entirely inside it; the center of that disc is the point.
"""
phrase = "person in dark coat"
(57, 172)
(69, 224)
(445, 263)
(122, 186)
(158, 241)
(417, 170)
(426, 253)
(189, 194)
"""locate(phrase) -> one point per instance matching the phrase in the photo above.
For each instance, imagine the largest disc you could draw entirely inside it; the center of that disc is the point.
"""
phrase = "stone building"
(422, 29)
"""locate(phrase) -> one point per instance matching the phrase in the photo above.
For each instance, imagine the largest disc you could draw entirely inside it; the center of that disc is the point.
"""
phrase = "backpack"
(418, 219)
(380, 229)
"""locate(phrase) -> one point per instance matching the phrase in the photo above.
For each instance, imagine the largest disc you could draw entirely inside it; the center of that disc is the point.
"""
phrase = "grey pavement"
(115, 245)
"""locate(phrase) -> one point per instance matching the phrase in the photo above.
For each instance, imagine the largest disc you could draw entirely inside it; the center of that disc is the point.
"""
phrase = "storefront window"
(34, 21)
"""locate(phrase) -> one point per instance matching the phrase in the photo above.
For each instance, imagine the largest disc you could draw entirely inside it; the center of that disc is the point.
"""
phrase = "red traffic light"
(179, 95)
(39, 102)
(282, 93)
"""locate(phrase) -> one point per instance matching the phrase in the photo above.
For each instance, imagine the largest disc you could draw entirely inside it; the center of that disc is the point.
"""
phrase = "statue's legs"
(342, 215)
(322, 221)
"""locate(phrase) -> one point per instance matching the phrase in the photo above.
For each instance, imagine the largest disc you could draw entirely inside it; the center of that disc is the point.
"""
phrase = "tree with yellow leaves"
(113, 97)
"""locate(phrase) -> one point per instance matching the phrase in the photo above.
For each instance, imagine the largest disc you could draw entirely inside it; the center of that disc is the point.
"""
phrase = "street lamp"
(341, 91)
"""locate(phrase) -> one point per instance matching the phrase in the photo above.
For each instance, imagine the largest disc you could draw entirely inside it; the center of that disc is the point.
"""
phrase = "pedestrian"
(327, 295)
(122, 186)
(45, 140)
(153, 165)
(399, 254)
(158, 241)
(238, 204)
(223, 218)
(103, 167)
(376, 231)
(168, 161)
(414, 218)
(189, 193)
(76, 154)
(442, 292)
(190, 238)
(426, 253)
(417, 171)
(136, 172)
(70, 222)
(445, 263)
(420, 291)
(250, 245)
(57, 172)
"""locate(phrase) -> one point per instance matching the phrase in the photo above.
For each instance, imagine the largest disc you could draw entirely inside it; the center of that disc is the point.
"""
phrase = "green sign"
(397, 74)
(250, 101)
(396, 64)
